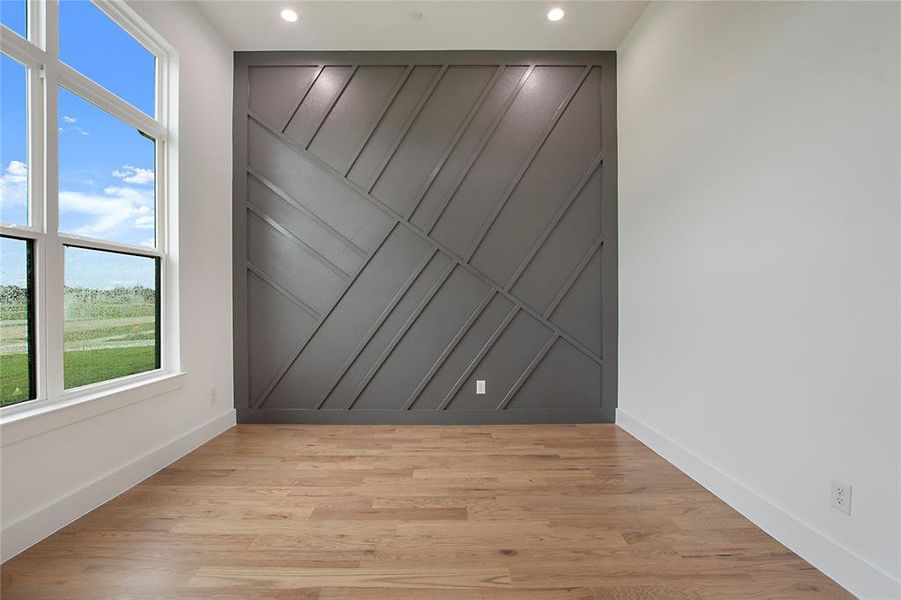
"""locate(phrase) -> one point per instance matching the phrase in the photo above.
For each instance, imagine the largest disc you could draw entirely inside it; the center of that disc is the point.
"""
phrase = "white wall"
(53, 477)
(759, 265)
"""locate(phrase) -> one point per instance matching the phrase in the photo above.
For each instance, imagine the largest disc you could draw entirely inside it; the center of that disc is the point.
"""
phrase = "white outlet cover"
(480, 386)
(841, 497)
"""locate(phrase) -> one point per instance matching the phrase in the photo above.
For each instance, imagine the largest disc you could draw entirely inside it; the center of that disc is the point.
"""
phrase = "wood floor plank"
(292, 578)
(315, 512)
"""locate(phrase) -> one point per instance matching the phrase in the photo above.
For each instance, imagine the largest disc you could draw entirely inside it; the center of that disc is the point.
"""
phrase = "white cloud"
(116, 209)
(14, 185)
(72, 127)
(16, 172)
(135, 175)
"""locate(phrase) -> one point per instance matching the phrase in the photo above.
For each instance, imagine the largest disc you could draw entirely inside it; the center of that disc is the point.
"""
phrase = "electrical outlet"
(213, 397)
(480, 386)
(841, 497)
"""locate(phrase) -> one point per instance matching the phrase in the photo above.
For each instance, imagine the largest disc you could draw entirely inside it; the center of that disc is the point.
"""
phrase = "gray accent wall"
(407, 223)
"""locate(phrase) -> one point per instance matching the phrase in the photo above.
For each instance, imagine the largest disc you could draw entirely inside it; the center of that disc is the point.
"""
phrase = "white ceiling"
(443, 25)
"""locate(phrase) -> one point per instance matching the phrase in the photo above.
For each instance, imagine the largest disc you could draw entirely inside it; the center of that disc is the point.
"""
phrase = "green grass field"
(81, 368)
(103, 340)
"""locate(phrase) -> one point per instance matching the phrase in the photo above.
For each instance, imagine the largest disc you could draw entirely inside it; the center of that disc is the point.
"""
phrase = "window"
(17, 368)
(112, 315)
(14, 141)
(83, 241)
(86, 36)
(106, 175)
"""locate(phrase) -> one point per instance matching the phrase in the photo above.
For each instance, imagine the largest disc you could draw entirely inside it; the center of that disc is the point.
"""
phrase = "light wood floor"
(372, 512)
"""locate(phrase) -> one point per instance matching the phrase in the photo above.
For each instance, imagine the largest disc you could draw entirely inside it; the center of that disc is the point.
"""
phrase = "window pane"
(112, 315)
(13, 141)
(106, 175)
(90, 42)
(16, 321)
(14, 14)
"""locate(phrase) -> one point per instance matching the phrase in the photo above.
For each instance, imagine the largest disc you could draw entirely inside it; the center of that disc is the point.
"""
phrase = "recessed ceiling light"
(291, 16)
(555, 14)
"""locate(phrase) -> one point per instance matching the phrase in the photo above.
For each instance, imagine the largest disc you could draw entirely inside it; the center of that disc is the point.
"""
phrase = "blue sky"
(12, 14)
(106, 168)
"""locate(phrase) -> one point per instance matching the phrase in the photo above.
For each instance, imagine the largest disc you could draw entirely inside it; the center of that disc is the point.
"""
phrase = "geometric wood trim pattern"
(408, 222)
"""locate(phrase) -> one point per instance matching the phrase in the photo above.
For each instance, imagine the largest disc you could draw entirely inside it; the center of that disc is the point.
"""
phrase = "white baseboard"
(852, 572)
(32, 528)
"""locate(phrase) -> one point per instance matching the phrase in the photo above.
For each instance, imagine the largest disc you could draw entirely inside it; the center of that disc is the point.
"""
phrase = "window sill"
(47, 417)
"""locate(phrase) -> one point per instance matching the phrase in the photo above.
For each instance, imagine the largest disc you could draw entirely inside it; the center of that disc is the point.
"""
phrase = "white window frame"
(40, 55)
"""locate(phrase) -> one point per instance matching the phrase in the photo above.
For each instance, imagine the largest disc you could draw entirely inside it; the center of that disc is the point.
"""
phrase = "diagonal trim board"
(460, 260)
(438, 217)
(536, 148)
(511, 97)
(375, 327)
(307, 339)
